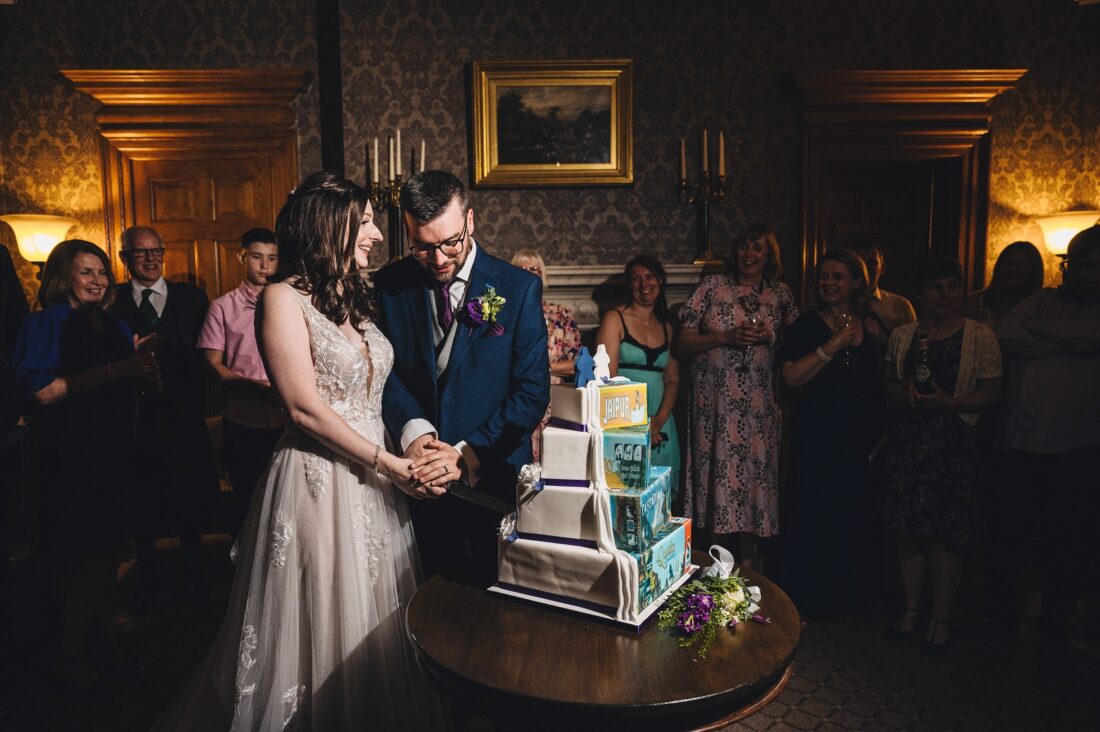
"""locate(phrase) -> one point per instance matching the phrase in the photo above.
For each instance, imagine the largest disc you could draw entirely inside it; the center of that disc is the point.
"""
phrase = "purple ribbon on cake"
(565, 424)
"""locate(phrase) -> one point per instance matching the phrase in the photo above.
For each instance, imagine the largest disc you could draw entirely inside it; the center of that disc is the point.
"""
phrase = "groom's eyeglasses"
(450, 248)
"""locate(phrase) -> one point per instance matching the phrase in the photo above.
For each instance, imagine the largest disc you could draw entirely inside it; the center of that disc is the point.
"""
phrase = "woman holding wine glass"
(730, 327)
(829, 356)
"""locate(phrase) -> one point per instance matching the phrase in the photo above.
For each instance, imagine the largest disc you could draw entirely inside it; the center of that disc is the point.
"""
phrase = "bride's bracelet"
(374, 462)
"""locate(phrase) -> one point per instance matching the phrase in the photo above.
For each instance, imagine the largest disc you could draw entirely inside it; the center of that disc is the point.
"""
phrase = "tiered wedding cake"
(593, 530)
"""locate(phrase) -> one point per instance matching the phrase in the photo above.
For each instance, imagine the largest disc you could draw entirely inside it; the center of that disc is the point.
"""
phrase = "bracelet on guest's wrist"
(825, 358)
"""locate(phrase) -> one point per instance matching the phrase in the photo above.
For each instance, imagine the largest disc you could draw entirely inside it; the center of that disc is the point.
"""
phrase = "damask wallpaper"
(721, 65)
(717, 63)
(49, 149)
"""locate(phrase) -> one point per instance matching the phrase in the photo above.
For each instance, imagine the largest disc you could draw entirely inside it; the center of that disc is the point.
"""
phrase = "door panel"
(201, 206)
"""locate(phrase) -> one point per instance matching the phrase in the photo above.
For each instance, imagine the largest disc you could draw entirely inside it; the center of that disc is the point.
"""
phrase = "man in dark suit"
(177, 478)
(470, 379)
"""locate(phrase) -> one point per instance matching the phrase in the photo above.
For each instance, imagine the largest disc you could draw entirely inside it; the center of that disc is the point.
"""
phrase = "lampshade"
(1058, 229)
(38, 234)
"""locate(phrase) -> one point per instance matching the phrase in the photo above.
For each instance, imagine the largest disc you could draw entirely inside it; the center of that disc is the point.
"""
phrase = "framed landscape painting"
(552, 123)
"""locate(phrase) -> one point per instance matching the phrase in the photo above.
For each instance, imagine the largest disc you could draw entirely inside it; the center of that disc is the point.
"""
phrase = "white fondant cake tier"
(565, 454)
(562, 511)
(590, 576)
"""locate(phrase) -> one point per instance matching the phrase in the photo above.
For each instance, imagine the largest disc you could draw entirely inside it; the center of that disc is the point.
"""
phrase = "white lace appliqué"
(292, 701)
(281, 535)
(372, 537)
(246, 659)
(318, 471)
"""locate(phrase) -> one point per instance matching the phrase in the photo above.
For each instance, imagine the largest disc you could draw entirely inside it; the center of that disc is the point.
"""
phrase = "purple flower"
(758, 618)
(688, 623)
(700, 602)
(473, 313)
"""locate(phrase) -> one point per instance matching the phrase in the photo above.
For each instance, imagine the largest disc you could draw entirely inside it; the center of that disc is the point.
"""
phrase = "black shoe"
(897, 633)
(932, 648)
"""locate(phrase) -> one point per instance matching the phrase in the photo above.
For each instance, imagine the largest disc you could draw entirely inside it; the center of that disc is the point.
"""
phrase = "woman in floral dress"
(563, 338)
(730, 325)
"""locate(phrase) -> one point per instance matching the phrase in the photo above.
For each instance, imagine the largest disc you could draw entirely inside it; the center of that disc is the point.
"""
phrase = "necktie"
(146, 307)
(446, 317)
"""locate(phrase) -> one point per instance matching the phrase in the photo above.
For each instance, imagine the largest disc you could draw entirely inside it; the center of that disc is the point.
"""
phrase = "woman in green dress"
(637, 336)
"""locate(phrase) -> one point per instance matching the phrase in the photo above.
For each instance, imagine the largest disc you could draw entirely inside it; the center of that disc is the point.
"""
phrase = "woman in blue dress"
(637, 336)
(75, 365)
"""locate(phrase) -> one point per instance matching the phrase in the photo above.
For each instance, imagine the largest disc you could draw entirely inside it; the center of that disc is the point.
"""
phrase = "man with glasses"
(465, 391)
(177, 479)
(1049, 431)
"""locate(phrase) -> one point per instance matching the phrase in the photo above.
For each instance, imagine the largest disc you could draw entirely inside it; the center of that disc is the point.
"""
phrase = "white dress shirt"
(159, 296)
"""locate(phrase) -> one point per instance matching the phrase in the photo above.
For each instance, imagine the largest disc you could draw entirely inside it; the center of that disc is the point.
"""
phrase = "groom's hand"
(418, 447)
(440, 465)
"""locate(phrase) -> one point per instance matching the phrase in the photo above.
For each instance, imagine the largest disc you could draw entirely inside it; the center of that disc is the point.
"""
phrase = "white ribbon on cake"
(626, 566)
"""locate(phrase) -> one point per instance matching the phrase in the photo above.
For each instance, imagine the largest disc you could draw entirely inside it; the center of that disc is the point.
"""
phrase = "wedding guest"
(174, 461)
(892, 309)
(13, 311)
(1049, 431)
(730, 328)
(1017, 274)
(253, 419)
(931, 499)
(637, 337)
(829, 356)
(76, 365)
(563, 338)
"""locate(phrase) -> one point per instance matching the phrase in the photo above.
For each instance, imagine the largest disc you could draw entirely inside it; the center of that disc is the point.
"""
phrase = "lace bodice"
(346, 380)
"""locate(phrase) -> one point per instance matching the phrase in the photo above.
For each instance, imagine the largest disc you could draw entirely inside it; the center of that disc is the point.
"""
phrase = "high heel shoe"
(931, 647)
(897, 632)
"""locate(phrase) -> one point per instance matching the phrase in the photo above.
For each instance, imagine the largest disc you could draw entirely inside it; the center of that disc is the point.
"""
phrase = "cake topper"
(602, 371)
(582, 367)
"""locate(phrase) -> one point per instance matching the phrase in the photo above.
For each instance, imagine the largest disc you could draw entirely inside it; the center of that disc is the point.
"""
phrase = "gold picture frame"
(553, 123)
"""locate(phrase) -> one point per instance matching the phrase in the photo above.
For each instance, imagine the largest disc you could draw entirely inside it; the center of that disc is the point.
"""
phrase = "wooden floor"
(846, 676)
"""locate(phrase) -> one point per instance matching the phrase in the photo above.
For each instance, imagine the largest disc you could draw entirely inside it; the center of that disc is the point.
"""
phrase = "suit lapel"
(475, 288)
(420, 316)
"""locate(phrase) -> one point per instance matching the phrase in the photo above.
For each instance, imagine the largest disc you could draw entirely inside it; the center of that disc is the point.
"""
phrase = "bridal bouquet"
(719, 599)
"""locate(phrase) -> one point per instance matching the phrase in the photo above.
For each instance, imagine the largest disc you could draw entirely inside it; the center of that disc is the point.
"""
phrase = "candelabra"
(386, 197)
(709, 189)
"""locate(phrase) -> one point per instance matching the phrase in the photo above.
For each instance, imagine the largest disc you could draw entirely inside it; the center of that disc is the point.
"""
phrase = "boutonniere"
(483, 310)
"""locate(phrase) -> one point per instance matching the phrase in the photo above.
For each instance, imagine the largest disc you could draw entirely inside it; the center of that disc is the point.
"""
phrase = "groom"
(469, 383)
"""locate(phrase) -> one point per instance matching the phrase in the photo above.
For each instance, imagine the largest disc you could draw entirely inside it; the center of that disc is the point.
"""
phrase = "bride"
(314, 635)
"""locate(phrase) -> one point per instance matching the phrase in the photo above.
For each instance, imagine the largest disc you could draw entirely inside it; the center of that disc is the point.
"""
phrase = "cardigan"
(980, 358)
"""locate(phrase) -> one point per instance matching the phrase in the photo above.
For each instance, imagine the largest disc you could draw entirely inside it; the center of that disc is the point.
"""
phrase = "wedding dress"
(314, 635)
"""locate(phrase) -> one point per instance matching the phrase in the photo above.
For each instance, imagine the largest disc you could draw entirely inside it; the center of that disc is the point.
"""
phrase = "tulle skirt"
(314, 635)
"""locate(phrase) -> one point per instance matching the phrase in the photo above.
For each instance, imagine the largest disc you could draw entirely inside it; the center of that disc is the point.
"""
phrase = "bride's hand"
(400, 472)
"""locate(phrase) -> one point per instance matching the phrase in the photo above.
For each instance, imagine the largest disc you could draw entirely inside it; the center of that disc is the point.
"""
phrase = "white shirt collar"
(464, 273)
(160, 287)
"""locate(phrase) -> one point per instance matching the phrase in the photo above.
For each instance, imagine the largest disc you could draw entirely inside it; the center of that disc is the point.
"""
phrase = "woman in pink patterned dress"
(730, 325)
(563, 338)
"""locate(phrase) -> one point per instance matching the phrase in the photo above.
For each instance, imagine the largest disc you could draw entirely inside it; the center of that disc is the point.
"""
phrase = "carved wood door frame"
(181, 114)
(900, 116)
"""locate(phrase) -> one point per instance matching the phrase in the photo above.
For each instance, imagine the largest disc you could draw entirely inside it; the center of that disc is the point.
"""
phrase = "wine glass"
(845, 320)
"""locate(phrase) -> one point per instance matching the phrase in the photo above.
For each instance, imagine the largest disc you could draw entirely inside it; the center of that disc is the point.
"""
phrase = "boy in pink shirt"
(253, 419)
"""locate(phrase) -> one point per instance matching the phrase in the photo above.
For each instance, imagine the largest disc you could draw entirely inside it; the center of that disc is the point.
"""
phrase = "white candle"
(399, 151)
(683, 160)
(706, 164)
(423, 154)
(721, 154)
(374, 164)
(391, 159)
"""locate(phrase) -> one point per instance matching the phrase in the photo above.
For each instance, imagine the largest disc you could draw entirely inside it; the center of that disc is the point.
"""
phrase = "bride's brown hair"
(316, 232)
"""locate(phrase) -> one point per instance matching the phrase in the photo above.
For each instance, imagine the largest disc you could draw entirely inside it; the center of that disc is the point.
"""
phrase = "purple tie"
(446, 317)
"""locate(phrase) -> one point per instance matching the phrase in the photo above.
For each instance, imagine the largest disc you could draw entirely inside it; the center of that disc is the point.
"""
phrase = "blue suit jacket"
(494, 390)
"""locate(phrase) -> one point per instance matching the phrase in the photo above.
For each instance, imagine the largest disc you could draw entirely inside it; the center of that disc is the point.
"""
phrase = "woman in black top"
(829, 354)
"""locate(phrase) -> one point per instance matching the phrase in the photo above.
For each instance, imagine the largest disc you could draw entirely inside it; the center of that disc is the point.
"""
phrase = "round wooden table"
(529, 667)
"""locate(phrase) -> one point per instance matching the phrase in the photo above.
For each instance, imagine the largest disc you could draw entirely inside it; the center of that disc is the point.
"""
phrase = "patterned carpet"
(847, 676)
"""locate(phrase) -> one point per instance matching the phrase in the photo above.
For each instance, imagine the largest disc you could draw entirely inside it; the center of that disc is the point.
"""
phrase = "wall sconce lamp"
(1058, 229)
(38, 234)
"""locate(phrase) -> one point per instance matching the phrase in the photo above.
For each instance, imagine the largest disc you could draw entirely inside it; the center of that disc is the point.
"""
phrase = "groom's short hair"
(426, 195)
